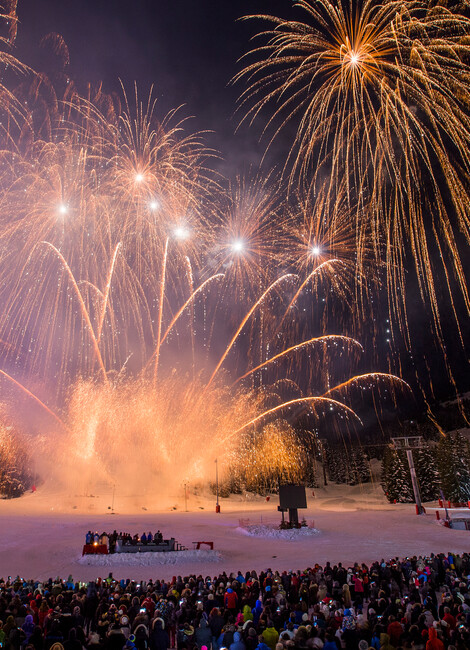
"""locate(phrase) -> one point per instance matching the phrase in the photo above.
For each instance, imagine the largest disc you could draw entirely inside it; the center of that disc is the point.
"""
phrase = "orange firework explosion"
(147, 323)
(380, 94)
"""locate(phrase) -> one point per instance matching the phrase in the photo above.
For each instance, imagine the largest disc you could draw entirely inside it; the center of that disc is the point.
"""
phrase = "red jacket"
(230, 599)
(434, 643)
(394, 631)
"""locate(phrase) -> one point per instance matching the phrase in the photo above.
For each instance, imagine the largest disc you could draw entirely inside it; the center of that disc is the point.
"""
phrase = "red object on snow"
(209, 544)
(33, 488)
(91, 549)
(267, 498)
(313, 494)
(438, 516)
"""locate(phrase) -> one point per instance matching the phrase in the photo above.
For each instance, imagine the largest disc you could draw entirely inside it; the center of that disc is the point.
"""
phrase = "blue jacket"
(257, 611)
(262, 646)
(237, 642)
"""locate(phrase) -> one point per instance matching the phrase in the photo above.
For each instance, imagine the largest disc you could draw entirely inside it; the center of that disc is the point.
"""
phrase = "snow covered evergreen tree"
(336, 464)
(396, 479)
(347, 465)
(15, 473)
(309, 474)
(360, 470)
(427, 472)
(453, 463)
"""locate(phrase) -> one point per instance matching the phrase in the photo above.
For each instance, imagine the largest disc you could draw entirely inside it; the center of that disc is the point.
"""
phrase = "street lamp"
(217, 506)
(323, 442)
(185, 485)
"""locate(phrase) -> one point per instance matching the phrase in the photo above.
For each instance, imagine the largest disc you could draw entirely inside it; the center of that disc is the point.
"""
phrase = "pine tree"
(427, 472)
(15, 474)
(396, 479)
(309, 474)
(453, 463)
(337, 464)
(360, 467)
(348, 465)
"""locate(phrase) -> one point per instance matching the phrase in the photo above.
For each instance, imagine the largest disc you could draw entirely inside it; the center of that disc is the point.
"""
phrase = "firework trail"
(380, 96)
(148, 304)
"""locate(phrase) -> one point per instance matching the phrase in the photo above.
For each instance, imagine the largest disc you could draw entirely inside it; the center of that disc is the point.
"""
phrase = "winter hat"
(57, 646)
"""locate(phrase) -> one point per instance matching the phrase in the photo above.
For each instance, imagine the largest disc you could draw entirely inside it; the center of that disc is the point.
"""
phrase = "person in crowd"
(418, 603)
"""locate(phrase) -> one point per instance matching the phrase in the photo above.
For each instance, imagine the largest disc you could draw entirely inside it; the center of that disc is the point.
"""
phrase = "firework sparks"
(120, 259)
(380, 93)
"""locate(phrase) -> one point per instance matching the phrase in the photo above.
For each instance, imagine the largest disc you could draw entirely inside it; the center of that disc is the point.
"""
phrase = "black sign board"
(292, 496)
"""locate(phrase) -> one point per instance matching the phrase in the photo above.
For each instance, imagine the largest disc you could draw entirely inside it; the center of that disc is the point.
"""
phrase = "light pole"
(217, 506)
(323, 458)
(185, 485)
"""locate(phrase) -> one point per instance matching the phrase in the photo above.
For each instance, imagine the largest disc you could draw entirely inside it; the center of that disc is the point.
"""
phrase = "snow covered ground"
(150, 559)
(42, 534)
(272, 531)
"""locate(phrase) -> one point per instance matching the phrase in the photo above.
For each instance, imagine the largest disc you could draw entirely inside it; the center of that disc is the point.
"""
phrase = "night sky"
(188, 49)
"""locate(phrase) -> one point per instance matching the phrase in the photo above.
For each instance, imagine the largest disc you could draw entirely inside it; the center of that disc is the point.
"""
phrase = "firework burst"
(118, 269)
(380, 95)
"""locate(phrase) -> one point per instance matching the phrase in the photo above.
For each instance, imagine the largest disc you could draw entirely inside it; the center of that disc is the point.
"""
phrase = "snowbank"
(274, 532)
(150, 559)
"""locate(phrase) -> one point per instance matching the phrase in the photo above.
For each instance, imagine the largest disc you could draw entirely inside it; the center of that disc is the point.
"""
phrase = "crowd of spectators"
(418, 602)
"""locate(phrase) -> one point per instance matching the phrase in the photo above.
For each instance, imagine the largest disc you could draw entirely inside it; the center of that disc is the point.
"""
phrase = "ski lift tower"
(408, 443)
